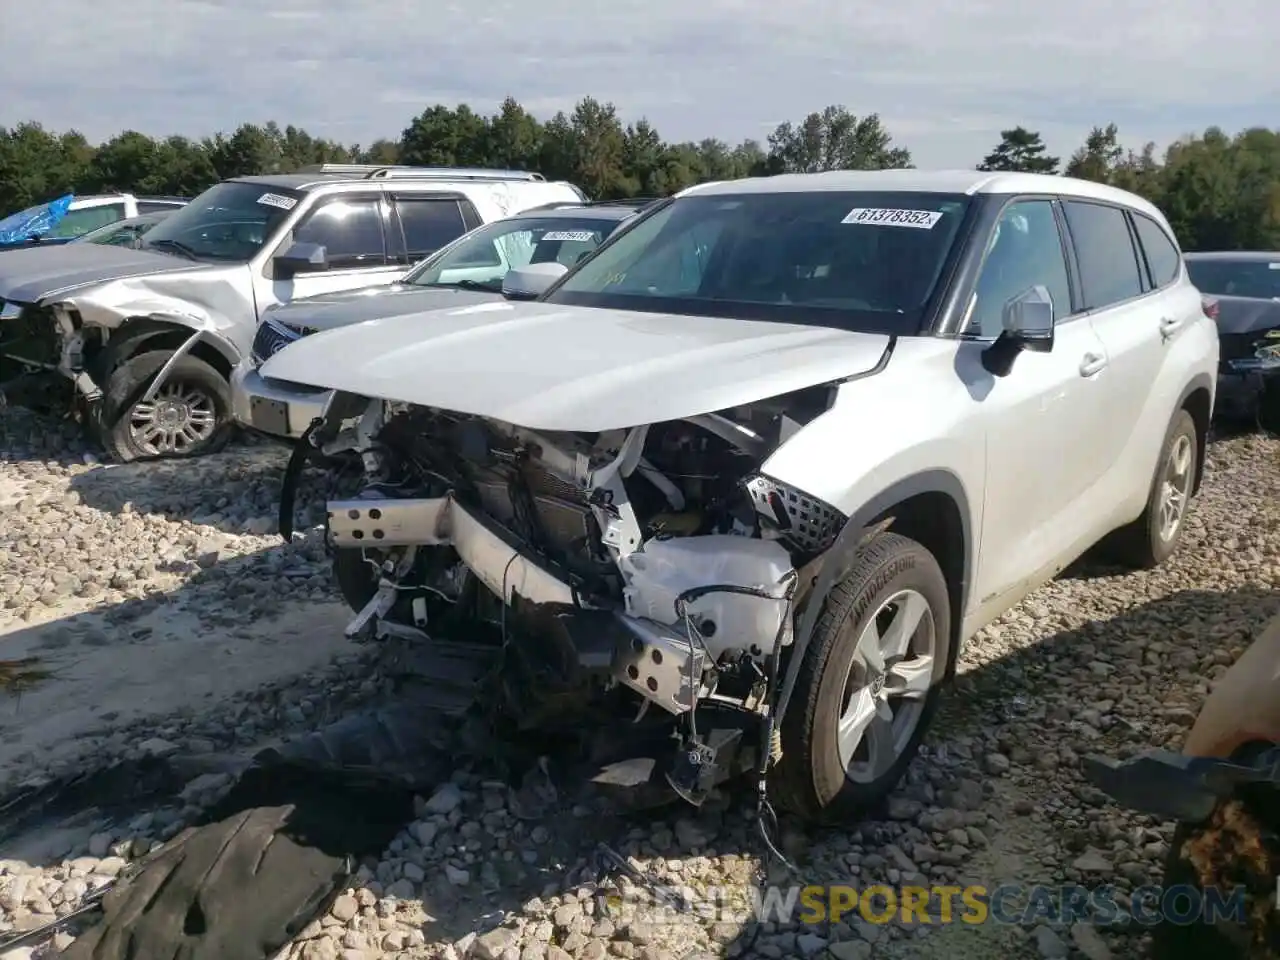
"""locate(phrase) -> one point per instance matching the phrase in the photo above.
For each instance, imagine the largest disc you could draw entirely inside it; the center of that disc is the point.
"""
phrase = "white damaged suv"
(764, 460)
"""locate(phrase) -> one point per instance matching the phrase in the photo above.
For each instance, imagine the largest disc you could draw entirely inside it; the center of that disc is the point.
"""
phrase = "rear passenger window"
(1108, 262)
(429, 224)
(1163, 258)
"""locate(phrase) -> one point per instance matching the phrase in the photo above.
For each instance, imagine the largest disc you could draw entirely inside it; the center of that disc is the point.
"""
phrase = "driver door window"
(1025, 251)
(350, 231)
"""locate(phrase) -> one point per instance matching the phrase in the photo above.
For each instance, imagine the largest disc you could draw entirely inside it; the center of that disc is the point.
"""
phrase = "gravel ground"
(95, 559)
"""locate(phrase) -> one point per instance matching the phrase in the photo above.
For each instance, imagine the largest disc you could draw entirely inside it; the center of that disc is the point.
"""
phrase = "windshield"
(856, 260)
(1237, 278)
(229, 221)
(126, 233)
(482, 257)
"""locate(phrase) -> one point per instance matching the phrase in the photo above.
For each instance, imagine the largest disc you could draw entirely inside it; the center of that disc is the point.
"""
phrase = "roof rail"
(380, 171)
(555, 205)
(623, 202)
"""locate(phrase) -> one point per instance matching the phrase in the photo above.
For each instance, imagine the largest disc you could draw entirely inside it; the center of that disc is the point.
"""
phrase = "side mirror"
(532, 280)
(1027, 320)
(302, 258)
(1029, 317)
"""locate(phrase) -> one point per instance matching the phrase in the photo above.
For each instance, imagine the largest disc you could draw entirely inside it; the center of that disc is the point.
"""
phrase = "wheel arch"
(931, 507)
(137, 334)
(1197, 400)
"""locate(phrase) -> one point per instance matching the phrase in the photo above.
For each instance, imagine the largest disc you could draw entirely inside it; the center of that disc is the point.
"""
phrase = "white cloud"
(945, 76)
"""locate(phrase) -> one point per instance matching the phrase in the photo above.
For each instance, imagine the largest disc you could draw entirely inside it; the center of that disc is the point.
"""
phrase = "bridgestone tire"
(810, 780)
(246, 884)
(129, 381)
(1139, 545)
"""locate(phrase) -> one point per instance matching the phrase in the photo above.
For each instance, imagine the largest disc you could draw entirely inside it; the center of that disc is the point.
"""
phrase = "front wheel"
(189, 416)
(868, 684)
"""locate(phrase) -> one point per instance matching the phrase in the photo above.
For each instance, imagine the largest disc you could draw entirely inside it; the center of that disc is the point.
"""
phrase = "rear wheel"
(1153, 537)
(189, 416)
(869, 682)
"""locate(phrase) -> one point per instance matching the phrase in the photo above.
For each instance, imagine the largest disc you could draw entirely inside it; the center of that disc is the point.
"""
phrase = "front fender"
(137, 331)
(862, 523)
(217, 302)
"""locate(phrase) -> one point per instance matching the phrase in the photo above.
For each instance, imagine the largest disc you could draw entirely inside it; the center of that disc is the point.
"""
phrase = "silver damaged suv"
(149, 336)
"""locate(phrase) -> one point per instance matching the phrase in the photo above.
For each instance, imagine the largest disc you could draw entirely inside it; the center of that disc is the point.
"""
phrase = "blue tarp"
(34, 221)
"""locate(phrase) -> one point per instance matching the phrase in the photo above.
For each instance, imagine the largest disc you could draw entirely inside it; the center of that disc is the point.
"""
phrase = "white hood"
(550, 367)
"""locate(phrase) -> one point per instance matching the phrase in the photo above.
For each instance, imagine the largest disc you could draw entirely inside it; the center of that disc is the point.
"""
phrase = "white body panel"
(1043, 462)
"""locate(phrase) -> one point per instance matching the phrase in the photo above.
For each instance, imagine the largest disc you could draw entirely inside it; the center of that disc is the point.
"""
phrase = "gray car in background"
(1242, 294)
(470, 270)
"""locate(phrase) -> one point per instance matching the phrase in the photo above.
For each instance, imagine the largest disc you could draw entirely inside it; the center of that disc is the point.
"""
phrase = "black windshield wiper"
(175, 245)
(490, 285)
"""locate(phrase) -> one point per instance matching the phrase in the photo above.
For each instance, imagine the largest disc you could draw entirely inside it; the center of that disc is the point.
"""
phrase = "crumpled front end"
(590, 578)
(74, 321)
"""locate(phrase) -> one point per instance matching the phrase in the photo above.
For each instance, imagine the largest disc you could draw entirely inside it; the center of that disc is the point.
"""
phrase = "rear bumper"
(1242, 392)
(271, 407)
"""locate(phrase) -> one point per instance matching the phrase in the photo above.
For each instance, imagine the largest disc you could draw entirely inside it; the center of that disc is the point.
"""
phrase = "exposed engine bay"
(574, 581)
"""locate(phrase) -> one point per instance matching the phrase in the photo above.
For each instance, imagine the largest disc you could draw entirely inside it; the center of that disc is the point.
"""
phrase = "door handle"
(1169, 326)
(1091, 364)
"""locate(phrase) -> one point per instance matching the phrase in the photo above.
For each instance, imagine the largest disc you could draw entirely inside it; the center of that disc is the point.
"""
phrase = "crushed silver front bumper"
(654, 659)
(269, 406)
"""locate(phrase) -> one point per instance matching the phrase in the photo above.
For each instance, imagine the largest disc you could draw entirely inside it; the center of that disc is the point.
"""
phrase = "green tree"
(1218, 190)
(514, 137)
(1099, 156)
(36, 165)
(444, 137)
(834, 140)
(1020, 150)
(598, 148)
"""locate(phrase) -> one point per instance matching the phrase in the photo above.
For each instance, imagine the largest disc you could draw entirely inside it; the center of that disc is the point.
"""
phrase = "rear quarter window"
(1163, 258)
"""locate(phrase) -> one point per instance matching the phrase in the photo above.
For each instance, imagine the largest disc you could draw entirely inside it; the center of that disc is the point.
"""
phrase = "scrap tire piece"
(1236, 849)
(247, 883)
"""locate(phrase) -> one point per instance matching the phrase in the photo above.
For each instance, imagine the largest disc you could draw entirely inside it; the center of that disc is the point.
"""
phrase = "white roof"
(927, 181)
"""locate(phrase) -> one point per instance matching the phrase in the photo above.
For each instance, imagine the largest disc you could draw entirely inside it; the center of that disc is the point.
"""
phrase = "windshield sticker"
(919, 219)
(1274, 265)
(275, 200)
(579, 235)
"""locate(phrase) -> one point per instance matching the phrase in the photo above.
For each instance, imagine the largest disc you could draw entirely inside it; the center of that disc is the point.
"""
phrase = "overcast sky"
(945, 76)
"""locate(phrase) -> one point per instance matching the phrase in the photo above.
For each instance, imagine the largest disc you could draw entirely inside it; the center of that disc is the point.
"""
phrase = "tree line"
(1219, 191)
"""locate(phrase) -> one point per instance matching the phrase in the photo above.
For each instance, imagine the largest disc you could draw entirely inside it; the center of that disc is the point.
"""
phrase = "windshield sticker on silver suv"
(275, 200)
(579, 235)
(879, 216)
